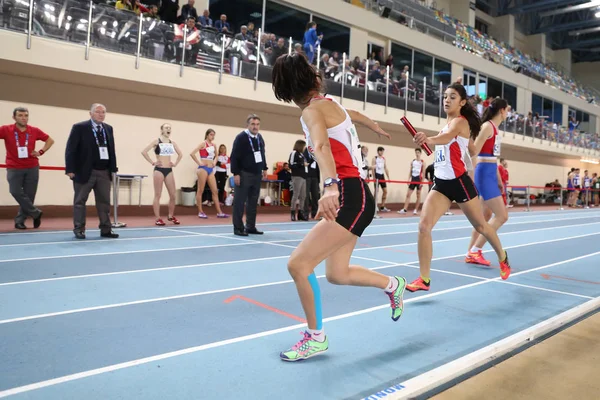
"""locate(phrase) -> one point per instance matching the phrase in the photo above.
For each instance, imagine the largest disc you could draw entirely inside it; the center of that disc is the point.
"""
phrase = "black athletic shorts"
(414, 186)
(460, 190)
(380, 177)
(357, 205)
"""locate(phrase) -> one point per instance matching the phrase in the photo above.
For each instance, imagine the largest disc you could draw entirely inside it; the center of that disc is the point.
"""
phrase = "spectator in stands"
(251, 29)
(249, 167)
(22, 164)
(244, 35)
(272, 42)
(152, 12)
(205, 19)
(313, 178)
(356, 63)
(298, 48)
(298, 166)
(278, 50)
(376, 74)
(131, 5)
(90, 161)
(311, 41)
(222, 25)
(188, 11)
(192, 45)
(168, 10)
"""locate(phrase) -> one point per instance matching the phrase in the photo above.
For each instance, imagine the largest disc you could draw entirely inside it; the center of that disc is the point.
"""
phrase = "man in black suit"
(90, 161)
(249, 167)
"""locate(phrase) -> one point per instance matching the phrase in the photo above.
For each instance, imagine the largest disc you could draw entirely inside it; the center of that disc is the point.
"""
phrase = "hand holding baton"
(413, 132)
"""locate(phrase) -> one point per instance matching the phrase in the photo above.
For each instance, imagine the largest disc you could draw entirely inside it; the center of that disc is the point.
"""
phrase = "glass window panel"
(402, 57)
(423, 66)
(285, 21)
(510, 95)
(537, 103)
(442, 72)
(557, 114)
(238, 13)
(547, 110)
(469, 79)
(494, 88)
(483, 87)
(336, 37)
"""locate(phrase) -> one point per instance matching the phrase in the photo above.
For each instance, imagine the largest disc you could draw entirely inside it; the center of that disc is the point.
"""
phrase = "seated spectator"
(251, 28)
(131, 5)
(244, 34)
(152, 12)
(298, 48)
(192, 45)
(278, 50)
(272, 42)
(205, 19)
(168, 10)
(375, 74)
(222, 25)
(189, 11)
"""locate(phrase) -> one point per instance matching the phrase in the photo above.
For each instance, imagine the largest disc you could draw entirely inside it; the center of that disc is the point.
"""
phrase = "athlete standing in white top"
(452, 182)
(380, 167)
(164, 148)
(417, 168)
(347, 204)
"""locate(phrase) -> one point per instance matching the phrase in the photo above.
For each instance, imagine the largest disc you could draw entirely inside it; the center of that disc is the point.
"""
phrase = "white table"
(117, 178)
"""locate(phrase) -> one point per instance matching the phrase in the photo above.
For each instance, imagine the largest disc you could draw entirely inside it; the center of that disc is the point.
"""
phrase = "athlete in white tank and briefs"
(347, 204)
(415, 176)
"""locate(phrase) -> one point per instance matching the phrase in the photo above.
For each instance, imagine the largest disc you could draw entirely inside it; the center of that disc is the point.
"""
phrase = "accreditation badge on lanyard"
(22, 151)
(257, 154)
(103, 149)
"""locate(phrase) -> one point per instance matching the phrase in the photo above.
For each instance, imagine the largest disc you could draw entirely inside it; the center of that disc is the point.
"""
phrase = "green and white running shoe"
(305, 348)
(396, 301)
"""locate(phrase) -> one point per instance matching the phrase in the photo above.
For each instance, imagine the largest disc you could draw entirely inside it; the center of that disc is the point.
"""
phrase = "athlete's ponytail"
(495, 107)
(468, 110)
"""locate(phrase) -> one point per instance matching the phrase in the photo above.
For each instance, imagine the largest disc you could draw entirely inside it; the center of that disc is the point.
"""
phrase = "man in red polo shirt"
(22, 164)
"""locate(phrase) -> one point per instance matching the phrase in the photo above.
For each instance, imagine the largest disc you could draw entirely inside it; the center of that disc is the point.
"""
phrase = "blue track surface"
(153, 315)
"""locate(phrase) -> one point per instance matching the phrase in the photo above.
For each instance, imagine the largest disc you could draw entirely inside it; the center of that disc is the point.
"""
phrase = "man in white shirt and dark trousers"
(313, 178)
(249, 167)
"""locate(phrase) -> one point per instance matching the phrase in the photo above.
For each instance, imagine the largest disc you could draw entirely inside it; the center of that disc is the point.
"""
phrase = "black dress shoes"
(254, 231)
(20, 225)
(37, 221)
(110, 235)
(240, 232)
(79, 235)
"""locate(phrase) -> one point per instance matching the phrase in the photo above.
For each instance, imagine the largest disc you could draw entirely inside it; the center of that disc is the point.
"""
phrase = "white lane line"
(95, 241)
(145, 360)
(152, 300)
(546, 290)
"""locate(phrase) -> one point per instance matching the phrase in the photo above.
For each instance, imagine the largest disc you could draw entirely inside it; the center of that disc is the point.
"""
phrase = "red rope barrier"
(44, 167)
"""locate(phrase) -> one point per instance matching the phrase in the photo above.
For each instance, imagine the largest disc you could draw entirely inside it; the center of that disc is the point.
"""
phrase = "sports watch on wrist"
(330, 181)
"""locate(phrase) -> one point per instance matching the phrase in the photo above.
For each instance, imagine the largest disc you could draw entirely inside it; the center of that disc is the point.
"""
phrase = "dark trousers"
(22, 184)
(246, 194)
(100, 183)
(312, 196)
(221, 178)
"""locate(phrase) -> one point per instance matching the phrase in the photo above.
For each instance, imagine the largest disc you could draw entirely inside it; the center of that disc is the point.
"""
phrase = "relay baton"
(413, 132)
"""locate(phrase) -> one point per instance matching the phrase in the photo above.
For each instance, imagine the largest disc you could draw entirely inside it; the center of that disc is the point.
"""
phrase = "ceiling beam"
(584, 31)
(581, 44)
(566, 10)
(539, 6)
(568, 26)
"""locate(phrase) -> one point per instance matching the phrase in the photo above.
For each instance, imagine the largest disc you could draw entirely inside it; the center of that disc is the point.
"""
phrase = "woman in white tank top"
(164, 148)
(347, 204)
(452, 182)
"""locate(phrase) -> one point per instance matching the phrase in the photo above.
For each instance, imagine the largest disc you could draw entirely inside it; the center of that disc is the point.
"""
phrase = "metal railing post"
(440, 105)
(424, 97)
(561, 199)
(89, 32)
(366, 85)
(290, 46)
(139, 43)
(406, 93)
(29, 24)
(387, 87)
(221, 70)
(528, 198)
(183, 46)
(343, 77)
(257, 58)
(318, 56)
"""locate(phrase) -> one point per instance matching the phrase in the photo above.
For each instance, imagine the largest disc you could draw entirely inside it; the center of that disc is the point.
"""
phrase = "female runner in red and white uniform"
(452, 182)
(347, 204)
(487, 177)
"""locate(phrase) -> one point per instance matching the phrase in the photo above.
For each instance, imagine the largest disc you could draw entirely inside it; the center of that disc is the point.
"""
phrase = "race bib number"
(440, 156)
(103, 153)
(23, 153)
(497, 145)
(166, 149)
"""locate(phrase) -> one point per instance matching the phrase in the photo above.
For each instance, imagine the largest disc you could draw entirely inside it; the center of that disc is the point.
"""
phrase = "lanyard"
(26, 139)
(94, 129)
(250, 139)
